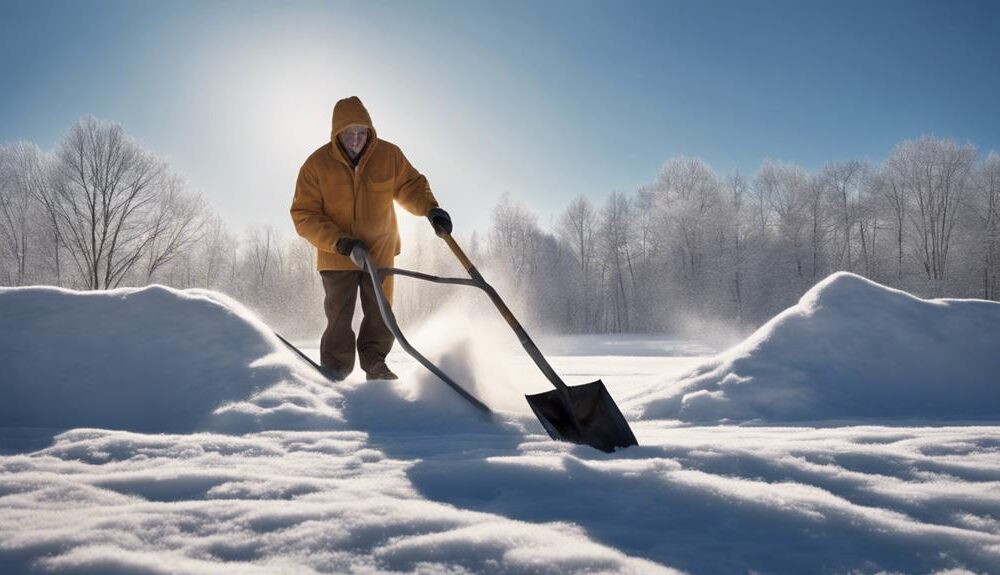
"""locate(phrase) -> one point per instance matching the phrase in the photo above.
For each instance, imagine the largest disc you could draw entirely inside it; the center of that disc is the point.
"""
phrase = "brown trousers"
(374, 340)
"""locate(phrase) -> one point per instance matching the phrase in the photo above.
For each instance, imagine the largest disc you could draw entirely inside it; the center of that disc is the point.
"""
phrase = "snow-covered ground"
(158, 431)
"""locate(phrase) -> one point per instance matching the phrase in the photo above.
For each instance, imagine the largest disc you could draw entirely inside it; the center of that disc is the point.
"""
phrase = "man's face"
(353, 138)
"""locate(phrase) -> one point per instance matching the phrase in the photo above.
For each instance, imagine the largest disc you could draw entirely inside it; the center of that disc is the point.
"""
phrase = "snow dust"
(472, 343)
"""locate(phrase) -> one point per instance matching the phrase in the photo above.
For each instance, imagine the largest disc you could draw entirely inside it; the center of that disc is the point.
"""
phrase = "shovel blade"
(591, 417)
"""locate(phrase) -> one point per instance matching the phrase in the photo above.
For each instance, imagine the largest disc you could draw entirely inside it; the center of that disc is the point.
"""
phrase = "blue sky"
(541, 100)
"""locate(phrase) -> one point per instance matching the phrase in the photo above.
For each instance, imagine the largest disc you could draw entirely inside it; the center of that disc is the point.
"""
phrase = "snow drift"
(850, 348)
(150, 359)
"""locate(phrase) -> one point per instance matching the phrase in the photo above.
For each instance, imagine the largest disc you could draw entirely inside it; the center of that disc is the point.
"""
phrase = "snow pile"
(850, 348)
(151, 359)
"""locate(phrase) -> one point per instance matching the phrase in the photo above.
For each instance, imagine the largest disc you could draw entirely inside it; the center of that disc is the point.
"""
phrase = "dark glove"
(346, 245)
(440, 220)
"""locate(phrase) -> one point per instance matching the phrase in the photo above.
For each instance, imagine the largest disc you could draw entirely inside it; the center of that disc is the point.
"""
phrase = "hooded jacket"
(335, 199)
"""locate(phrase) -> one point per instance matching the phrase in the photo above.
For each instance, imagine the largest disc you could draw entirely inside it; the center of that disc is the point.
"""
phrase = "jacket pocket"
(379, 186)
(377, 215)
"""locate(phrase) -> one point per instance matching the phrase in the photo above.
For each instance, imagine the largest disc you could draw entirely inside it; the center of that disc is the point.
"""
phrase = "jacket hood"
(351, 111)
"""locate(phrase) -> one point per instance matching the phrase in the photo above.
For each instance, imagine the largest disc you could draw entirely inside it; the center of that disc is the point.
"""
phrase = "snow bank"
(151, 359)
(850, 348)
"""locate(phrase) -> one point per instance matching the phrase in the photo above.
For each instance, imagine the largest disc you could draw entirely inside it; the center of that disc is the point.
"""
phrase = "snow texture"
(109, 465)
(851, 349)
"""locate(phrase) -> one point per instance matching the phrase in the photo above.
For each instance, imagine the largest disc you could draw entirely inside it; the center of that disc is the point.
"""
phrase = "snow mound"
(150, 359)
(850, 348)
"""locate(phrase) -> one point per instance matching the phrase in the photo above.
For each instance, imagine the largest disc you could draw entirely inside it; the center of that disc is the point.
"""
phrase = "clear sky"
(543, 100)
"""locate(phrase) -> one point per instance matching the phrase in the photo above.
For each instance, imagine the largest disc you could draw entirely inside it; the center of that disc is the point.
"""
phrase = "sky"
(543, 101)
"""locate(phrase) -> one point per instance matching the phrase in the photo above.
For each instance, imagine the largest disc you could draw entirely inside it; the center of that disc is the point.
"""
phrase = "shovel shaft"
(522, 336)
(385, 310)
(584, 414)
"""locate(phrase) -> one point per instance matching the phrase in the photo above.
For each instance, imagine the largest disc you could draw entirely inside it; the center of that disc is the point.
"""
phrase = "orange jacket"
(333, 199)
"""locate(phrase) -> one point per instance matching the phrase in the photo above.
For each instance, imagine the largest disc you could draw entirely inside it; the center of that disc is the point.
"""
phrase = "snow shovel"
(584, 414)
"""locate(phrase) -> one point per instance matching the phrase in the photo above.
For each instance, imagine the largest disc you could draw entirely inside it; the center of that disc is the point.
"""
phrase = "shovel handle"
(462, 258)
(508, 316)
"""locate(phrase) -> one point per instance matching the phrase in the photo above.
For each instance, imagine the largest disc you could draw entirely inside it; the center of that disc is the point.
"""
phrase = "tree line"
(101, 211)
(693, 245)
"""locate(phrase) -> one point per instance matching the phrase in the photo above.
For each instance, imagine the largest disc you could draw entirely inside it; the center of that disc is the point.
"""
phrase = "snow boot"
(381, 371)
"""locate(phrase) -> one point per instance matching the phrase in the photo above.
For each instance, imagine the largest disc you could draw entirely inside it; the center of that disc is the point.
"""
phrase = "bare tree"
(645, 249)
(689, 195)
(23, 180)
(578, 228)
(764, 183)
(615, 242)
(513, 236)
(870, 220)
(986, 206)
(785, 189)
(738, 192)
(842, 181)
(215, 255)
(176, 224)
(817, 221)
(895, 195)
(106, 199)
(933, 174)
(262, 254)
(20, 174)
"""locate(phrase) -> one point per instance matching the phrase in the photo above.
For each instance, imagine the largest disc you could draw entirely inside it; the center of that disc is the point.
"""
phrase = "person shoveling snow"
(343, 200)
(343, 206)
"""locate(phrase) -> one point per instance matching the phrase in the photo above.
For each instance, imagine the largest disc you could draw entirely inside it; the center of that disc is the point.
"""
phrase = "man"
(343, 200)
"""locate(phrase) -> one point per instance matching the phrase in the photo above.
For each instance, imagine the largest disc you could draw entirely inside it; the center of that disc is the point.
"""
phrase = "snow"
(851, 349)
(162, 431)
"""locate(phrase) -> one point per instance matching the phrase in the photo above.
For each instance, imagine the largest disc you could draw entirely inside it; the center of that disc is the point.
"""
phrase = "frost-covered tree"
(986, 207)
(617, 268)
(689, 197)
(740, 243)
(513, 236)
(22, 182)
(842, 182)
(577, 228)
(213, 256)
(780, 191)
(871, 217)
(177, 222)
(646, 246)
(107, 199)
(933, 176)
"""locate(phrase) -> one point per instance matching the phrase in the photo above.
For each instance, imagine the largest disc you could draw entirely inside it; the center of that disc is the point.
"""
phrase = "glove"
(440, 221)
(346, 245)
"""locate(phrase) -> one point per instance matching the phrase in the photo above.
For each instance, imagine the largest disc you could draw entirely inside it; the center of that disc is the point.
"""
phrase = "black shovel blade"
(591, 417)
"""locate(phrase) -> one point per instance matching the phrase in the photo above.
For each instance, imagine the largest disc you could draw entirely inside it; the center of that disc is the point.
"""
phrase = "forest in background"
(690, 248)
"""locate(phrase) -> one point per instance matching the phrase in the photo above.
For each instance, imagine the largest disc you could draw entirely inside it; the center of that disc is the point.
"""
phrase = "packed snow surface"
(162, 431)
